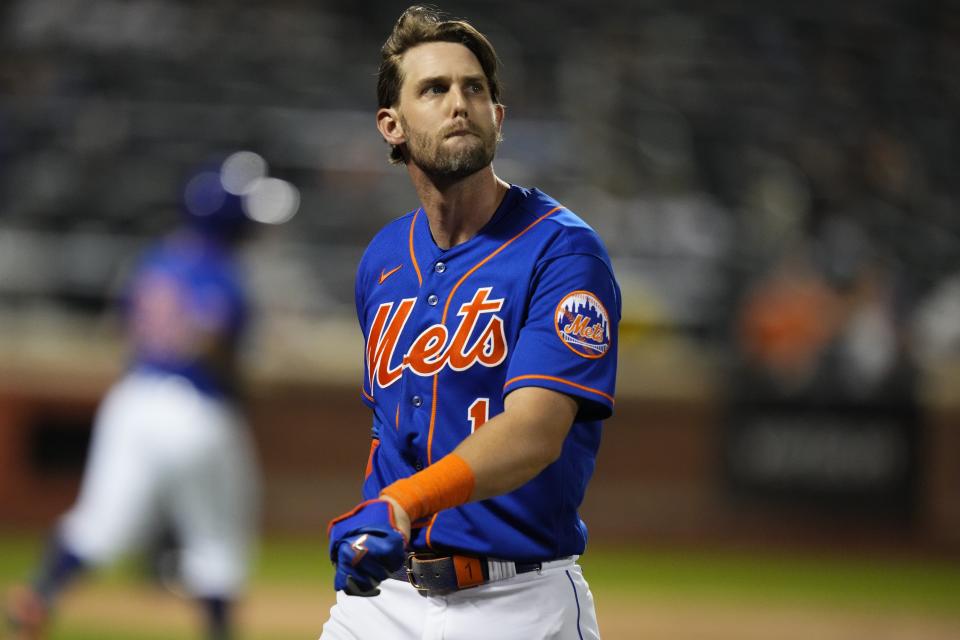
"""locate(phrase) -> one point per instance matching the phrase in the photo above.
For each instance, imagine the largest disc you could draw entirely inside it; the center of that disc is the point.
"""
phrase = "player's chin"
(468, 157)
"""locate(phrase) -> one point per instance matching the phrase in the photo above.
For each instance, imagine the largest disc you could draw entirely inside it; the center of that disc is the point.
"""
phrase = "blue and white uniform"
(169, 442)
(531, 300)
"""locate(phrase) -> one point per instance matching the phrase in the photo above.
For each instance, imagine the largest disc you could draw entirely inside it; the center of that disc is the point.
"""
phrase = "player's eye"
(434, 89)
(476, 87)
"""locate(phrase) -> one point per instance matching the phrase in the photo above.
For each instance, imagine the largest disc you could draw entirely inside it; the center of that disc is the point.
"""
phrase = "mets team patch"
(583, 324)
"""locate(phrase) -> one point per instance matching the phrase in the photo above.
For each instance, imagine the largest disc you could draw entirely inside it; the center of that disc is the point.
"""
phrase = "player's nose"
(458, 101)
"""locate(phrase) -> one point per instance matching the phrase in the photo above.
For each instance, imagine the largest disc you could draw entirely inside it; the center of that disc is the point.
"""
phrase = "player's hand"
(366, 546)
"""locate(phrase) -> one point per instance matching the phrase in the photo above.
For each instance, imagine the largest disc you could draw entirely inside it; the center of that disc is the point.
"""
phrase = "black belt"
(437, 575)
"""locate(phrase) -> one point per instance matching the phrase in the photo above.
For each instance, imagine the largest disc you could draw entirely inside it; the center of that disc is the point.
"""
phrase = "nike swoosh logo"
(386, 274)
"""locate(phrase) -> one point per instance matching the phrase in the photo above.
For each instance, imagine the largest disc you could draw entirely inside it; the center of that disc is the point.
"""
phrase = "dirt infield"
(281, 612)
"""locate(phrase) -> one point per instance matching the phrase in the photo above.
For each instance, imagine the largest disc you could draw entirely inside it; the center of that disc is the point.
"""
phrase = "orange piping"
(430, 529)
(433, 418)
(413, 256)
(561, 380)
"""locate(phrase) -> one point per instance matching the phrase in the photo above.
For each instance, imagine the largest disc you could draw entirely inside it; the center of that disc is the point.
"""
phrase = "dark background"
(776, 183)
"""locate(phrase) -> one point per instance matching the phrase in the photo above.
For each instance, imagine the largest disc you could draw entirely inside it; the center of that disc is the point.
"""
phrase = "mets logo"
(437, 346)
(583, 324)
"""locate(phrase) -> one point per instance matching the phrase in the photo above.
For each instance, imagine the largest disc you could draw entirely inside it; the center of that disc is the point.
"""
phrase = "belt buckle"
(423, 587)
(412, 575)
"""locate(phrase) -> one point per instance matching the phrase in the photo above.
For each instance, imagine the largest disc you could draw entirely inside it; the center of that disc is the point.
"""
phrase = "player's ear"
(499, 111)
(388, 122)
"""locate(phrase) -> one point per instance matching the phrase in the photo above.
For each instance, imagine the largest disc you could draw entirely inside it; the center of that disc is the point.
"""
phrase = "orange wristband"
(447, 483)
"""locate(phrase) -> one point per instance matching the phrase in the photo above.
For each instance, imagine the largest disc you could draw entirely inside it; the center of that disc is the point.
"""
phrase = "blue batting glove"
(366, 547)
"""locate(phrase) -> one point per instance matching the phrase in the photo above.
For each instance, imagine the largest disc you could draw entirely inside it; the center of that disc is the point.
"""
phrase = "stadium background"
(776, 183)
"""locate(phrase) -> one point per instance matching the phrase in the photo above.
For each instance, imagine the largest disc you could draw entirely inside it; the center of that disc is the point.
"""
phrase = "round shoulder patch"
(583, 324)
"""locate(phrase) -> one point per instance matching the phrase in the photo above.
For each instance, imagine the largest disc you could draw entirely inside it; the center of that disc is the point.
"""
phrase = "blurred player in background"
(490, 316)
(170, 446)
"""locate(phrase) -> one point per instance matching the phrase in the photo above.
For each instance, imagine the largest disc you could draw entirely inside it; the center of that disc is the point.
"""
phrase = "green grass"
(765, 576)
(279, 561)
(17, 555)
(824, 582)
(293, 561)
(768, 577)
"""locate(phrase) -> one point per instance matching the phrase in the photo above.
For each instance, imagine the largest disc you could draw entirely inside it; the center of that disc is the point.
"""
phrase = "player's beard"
(449, 162)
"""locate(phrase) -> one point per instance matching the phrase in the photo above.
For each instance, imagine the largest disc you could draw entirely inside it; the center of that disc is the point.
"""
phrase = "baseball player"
(169, 444)
(490, 319)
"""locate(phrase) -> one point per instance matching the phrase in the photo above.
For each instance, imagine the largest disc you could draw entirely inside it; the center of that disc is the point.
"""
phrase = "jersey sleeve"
(568, 342)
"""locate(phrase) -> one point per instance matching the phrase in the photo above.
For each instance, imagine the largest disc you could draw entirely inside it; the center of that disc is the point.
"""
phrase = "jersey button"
(416, 401)
(418, 465)
(440, 267)
(432, 299)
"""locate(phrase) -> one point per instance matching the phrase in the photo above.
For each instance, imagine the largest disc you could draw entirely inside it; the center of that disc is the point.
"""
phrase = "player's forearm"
(507, 452)
(515, 446)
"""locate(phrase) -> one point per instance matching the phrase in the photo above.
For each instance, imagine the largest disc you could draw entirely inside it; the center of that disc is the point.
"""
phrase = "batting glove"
(366, 547)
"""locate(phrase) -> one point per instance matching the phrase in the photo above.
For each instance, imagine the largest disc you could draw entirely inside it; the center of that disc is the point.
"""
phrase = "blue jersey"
(531, 300)
(186, 309)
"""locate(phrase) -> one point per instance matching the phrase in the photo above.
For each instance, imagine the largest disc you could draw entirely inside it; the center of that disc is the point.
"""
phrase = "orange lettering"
(491, 348)
(595, 333)
(460, 359)
(577, 326)
(426, 355)
(430, 351)
(381, 344)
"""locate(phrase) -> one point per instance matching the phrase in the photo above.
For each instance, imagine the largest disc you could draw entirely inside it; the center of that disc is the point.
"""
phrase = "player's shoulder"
(567, 231)
(393, 234)
(398, 228)
(385, 242)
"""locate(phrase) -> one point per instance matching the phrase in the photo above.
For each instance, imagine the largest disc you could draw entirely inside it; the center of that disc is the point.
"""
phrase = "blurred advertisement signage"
(862, 459)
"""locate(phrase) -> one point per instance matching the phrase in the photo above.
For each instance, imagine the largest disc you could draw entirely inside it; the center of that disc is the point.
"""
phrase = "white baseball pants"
(553, 604)
(162, 449)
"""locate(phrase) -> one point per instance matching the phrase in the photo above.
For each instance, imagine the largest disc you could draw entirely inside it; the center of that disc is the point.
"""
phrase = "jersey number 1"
(478, 413)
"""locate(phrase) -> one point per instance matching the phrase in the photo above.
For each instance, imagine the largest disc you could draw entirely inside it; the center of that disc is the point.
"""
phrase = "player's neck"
(459, 209)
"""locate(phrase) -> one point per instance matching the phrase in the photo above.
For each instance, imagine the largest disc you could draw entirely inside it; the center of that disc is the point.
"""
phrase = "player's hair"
(419, 25)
